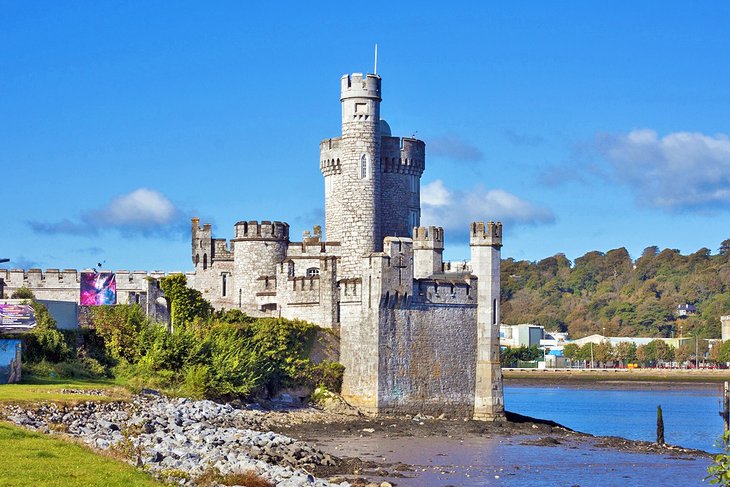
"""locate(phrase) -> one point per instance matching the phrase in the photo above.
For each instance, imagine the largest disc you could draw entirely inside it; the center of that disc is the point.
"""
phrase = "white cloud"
(455, 210)
(435, 194)
(680, 171)
(140, 207)
(144, 212)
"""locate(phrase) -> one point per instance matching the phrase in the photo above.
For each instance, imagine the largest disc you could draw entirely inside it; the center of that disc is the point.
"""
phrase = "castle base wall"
(428, 361)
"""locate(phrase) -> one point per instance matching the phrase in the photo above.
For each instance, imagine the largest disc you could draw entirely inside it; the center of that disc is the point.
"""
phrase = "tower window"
(312, 271)
(363, 166)
(224, 279)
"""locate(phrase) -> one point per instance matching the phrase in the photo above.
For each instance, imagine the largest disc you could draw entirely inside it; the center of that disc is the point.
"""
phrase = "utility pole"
(697, 353)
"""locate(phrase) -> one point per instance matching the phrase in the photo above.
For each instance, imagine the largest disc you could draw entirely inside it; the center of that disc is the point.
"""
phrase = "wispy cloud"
(143, 212)
(456, 209)
(523, 140)
(682, 171)
(454, 147)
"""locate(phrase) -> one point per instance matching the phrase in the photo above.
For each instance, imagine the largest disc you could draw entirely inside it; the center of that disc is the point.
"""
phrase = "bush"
(22, 293)
(45, 342)
(119, 327)
(326, 374)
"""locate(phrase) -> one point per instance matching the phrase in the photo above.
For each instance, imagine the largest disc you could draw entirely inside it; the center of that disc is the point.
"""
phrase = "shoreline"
(578, 376)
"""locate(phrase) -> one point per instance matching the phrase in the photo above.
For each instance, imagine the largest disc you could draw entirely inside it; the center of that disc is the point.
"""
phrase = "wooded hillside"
(611, 294)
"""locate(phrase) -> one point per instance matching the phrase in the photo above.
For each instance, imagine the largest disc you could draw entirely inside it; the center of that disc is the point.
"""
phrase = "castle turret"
(350, 166)
(259, 247)
(725, 328)
(428, 249)
(202, 244)
(486, 242)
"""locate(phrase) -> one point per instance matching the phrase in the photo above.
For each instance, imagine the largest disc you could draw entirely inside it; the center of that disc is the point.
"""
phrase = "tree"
(625, 352)
(662, 351)
(603, 352)
(22, 293)
(185, 303)
(571, 351)
(683, 353)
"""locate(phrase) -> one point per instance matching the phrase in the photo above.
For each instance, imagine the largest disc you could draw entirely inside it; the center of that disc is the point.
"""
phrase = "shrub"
(719, 469)
(327, 374)
(196, 382)
(119, 326)
(22, 293)
(45, 342)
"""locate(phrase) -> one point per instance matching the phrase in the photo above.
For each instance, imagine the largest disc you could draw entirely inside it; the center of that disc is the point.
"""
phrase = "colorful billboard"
(16, 317)
(98, 288)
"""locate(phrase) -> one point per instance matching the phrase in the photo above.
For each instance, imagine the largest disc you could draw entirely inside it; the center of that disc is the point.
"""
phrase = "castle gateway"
(416, 334)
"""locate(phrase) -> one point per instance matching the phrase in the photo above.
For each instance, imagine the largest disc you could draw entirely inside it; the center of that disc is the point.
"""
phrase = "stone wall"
(136, 287)
(427, 360)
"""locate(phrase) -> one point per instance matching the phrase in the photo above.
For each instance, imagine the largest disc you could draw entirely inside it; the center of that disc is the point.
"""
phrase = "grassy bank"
(34, 389)
(30, 458)
(599, 375)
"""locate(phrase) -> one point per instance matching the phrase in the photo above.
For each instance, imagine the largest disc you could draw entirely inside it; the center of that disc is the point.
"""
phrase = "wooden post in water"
(659, 426)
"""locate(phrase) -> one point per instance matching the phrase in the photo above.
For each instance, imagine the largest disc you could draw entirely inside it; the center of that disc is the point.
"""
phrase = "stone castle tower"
(372, 180)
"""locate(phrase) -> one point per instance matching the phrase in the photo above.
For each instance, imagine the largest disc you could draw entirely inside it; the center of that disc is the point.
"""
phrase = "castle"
(416, 334)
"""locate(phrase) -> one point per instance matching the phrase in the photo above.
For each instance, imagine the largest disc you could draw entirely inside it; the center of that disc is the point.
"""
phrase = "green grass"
(36, 389)
(30, 458)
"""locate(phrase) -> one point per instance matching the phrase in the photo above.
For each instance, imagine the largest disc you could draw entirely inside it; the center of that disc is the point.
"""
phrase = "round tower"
(351, 167)
(258, 248)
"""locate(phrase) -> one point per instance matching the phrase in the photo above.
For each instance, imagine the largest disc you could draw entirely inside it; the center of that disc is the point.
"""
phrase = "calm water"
(628, 410)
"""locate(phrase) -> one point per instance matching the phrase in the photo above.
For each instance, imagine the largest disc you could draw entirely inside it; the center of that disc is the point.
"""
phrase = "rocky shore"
(181, 439)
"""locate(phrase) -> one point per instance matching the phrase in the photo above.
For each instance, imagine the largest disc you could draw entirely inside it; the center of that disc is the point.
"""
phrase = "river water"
(627, 410)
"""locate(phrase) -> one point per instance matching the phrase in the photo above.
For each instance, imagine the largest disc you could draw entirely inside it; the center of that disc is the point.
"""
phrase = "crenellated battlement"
(264, 230)
(428, 237)
(486, 235)
(402, 155)
(222, 250)
(357, 85)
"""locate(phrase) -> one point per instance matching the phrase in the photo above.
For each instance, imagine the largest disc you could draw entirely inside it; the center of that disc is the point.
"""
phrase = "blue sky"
(582, 126)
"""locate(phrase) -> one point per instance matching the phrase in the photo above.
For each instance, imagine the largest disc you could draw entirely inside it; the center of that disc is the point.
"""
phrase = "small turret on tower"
(428, 248)
(202, 247)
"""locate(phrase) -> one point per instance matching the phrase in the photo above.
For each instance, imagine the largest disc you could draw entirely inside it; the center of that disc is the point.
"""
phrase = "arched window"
(205, 261)
(363, 166)
(197, 259)
(313, 271)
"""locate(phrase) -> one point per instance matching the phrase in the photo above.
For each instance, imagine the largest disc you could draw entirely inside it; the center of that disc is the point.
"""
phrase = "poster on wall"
(98, 289)
(16, 317)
